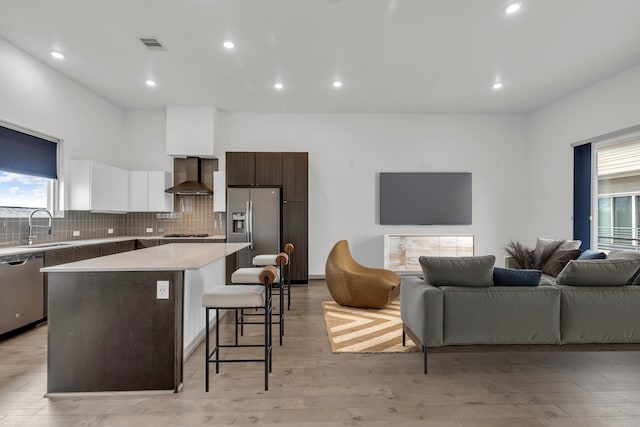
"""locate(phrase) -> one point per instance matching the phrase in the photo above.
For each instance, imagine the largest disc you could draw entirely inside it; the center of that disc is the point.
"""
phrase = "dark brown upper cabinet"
(269, 169)
(241, 168)
(295, 181)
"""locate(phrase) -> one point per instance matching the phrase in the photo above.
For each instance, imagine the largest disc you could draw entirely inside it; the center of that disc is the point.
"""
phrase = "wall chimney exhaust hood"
(192, 186)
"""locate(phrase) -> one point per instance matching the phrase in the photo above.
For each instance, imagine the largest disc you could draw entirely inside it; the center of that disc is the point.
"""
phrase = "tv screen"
(425, 198)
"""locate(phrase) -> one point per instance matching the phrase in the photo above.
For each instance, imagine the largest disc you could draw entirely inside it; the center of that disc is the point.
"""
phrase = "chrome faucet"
(32, 225)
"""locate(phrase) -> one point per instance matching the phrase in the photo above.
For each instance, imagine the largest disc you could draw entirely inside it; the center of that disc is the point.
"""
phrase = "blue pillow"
(589, 254)
(515, 277)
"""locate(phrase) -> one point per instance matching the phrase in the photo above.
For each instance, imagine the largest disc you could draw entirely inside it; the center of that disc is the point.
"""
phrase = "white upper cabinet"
(158, 199)
(219, 191)
(138, 188)
(146, 191)
(190, 130)
(98, 187)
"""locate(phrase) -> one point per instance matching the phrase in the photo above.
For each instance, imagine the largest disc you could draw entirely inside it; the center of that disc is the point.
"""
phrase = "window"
(28, 172)
(618, 195)
(26, 191)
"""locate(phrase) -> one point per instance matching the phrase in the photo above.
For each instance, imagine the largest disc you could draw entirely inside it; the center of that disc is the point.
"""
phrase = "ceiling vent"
(152, 43)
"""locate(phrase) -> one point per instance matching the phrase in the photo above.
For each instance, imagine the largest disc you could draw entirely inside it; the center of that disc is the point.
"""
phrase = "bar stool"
(246, 274)
(240, 297)
(264, 260)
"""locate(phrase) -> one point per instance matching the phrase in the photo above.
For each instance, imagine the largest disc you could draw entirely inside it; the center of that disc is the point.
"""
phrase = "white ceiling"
(394, 56)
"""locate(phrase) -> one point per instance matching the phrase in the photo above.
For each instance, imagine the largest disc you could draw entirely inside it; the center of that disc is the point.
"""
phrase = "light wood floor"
(310, 386)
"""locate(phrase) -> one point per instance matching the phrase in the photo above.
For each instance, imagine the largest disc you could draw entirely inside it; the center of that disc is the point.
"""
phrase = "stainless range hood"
(192, 186)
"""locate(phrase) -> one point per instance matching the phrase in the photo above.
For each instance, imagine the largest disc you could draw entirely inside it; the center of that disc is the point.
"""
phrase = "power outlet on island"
(162, 289)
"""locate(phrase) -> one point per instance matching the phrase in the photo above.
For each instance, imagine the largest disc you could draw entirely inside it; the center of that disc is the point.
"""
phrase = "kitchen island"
(126, 322)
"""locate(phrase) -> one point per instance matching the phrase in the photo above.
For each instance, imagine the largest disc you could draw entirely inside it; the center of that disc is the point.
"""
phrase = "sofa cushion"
(589, 254)
(516, 277)
(622, 254)
(599, 272)
(501, 315)
(476, 271)
(597, 314)
(558, 260)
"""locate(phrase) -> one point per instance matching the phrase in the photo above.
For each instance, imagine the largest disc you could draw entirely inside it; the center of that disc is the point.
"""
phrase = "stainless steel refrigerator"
(254, 216)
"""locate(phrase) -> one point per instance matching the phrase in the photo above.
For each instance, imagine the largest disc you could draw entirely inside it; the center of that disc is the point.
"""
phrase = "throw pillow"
(590, 255)
(474, 271)
(623, 254)
(556, 262)
(515, 277)
(545, 247)
(599, 272)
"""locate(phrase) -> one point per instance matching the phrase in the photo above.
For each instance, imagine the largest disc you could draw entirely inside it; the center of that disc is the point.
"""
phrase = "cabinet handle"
(285, 202)
(18, 315)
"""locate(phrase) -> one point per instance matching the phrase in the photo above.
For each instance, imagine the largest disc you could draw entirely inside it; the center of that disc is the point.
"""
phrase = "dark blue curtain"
(582, 194)
(27, 154)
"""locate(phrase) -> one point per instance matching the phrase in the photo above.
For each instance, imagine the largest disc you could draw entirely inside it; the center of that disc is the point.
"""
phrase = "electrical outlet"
(109, 230)
(162, 291)
(76, 234)
(149, 230)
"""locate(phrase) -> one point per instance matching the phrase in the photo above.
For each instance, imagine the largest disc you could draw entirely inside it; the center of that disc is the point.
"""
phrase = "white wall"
(36, 97)
(145, 139)
(346, 151)
(604, 108)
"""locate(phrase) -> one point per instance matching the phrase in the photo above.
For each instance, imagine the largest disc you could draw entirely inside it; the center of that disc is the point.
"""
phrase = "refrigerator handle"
(250, 223)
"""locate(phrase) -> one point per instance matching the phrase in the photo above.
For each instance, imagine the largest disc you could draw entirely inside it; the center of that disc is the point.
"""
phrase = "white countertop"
(17, 250)
(173, 256)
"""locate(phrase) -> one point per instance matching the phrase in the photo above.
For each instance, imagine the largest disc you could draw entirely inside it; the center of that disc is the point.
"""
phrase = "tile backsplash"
(194, 215)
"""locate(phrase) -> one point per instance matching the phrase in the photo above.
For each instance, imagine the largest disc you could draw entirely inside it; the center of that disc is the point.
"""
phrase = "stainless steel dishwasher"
(21, 290)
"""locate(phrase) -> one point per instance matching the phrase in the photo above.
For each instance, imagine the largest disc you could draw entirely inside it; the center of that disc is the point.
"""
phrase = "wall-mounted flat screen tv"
(425, 198)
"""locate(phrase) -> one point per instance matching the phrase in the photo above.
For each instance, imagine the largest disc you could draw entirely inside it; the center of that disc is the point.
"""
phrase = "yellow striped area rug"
(364, 330)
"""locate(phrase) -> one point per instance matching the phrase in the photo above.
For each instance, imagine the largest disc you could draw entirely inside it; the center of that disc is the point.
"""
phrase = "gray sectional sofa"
(471, 313)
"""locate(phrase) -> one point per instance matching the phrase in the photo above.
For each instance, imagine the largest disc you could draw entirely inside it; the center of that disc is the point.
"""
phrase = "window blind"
(27, 154)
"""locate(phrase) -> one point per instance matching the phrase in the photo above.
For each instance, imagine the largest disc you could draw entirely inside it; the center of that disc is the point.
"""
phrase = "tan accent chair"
(355, 285)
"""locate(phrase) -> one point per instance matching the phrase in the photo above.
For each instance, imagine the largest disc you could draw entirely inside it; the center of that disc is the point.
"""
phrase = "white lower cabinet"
(147, 191)
(98, 187)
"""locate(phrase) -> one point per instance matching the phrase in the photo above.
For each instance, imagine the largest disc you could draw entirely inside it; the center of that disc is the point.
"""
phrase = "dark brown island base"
(126, 322)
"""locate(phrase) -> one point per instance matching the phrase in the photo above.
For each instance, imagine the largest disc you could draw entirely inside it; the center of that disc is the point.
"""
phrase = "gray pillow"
(598, 272)
(474, 271)
(623, 254)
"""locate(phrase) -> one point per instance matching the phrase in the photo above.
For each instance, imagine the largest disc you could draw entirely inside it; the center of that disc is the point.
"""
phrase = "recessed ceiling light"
(150, 83)
(278, 86)
(512, 8)
(497, 85)
(57, 55)
(228, 44)
(337, 84)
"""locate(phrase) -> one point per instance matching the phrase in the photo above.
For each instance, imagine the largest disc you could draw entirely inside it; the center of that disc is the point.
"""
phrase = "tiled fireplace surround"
(193, 214)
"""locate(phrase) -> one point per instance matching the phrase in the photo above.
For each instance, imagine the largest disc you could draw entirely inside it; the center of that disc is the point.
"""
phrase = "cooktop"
(187, 235)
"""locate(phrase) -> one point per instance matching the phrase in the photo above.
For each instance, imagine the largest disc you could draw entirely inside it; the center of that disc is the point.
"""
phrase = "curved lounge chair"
(355, 285)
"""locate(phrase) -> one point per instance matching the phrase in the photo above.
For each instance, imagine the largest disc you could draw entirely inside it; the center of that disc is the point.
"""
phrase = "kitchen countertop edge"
(19, 250)
(169, 257)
